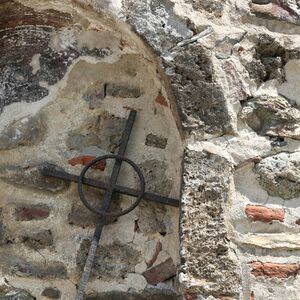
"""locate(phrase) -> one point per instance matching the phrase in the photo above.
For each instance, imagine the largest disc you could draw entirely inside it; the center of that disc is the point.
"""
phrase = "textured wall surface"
(228, 76)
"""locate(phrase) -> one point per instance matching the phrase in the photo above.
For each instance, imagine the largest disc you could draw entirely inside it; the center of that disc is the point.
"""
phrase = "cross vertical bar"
(105, 206)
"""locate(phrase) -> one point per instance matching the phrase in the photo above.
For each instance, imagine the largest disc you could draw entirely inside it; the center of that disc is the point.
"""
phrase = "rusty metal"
(118, 188)
(110, 188)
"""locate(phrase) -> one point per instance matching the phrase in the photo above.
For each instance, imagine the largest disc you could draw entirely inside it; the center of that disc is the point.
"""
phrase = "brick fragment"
(160, 272)
(160, 99)
(158, 248)
(84, 160)
(264, 213)
(32, 212)
(272, 270)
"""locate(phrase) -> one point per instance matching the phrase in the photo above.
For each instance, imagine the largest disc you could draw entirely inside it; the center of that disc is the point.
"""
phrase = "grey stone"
(8, 292)
(204, 238)
(95, 95)
(157, 23)
(214, 7)
(156, 141)
(48, 270)
(279, 175)
(122, 91)
(269, 59)
(32, 176)
(111, 261)
(272, 116)
(104, 132)
(147, 294)
(23, 132)
(151, 217)
(51, 293)
(40, 240)
(81, 216)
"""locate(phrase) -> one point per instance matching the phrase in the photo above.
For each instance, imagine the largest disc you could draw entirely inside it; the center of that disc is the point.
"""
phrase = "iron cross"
(110, 188)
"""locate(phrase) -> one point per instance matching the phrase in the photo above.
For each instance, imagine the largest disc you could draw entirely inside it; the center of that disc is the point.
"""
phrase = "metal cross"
(110, 188)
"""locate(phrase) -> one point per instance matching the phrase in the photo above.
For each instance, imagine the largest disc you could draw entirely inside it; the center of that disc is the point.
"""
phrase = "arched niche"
(69, 78)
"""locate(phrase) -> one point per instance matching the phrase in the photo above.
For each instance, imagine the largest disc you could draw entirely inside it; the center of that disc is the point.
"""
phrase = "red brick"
(264, 214)
(274, 270)
(160, 272)
(84, 160)
(161, 100)
(28, 213)
(252, 296)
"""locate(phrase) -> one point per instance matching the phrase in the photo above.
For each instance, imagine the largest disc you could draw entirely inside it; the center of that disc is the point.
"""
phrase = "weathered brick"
(274, 269)
(32, 212)
(264, 213)
(84, 160)
(161, 272)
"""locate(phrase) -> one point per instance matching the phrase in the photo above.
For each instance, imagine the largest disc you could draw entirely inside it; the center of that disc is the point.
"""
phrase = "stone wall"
(227, 74)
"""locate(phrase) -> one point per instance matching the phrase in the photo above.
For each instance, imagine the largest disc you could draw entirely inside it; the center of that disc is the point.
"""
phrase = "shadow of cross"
(110, 188)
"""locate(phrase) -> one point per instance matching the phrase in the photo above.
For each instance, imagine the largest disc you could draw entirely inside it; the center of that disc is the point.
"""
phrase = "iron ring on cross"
(103, 212)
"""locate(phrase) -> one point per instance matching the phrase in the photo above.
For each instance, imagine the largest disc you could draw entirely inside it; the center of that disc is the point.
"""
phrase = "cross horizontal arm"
(104, 186)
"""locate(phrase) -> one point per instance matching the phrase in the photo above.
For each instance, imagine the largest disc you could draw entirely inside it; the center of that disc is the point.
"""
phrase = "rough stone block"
(161, 272)
(156, 141)
(39, 240)
(272, 116)
(32, 212)
(32, 176)
(279, 175)
(204, 235)
(271, 270)
(51, 293)
(264, 214)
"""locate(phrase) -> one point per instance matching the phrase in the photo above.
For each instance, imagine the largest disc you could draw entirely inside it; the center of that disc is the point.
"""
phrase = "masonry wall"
(230, 68)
